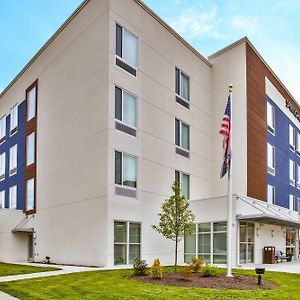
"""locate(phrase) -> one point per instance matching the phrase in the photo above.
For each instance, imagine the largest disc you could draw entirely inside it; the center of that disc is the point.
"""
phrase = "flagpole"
(229, 200)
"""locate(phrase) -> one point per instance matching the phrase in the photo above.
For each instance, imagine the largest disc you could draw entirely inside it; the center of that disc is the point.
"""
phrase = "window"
(2, 199)
(31, 103)
(126, 50)
(271, 159)
(182, 135)
(182, 88)
(13, 160)
(298, 176)
(125, 111)
(270, 118)
(292, 202)
(13, 197)
(298, 143)
(292, 137)
(2, 166)
(208, 241)
(271, 194)
(30, 194)
(125, 169)
(292, 173)
(2, 128)
(184, 181)
(127, 242)
(14, 119)
(30, 149)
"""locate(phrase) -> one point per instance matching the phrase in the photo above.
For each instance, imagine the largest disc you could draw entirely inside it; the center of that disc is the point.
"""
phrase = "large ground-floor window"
(209, 241)
(246, 243)
(127, 242)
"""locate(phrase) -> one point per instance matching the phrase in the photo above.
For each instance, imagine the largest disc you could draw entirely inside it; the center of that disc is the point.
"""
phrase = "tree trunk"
(176, 245)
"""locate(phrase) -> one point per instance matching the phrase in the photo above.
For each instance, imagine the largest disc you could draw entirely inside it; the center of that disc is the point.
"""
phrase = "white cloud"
(193, 24)
(248, 25)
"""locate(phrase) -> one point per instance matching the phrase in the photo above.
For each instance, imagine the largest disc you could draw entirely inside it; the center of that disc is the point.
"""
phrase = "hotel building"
(115, 107)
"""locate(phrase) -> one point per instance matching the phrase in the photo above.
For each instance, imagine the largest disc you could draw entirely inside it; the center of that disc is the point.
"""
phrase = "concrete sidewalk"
(288, 267)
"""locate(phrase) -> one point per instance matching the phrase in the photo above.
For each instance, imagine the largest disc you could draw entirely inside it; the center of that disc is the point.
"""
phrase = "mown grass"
(13, 269)
(117, 285)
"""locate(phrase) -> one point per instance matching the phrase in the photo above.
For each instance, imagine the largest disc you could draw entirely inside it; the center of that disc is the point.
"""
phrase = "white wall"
(230, 67)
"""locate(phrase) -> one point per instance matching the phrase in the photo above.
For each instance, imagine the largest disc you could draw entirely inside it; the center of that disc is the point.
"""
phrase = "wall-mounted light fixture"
(257, 231)
(272, 233)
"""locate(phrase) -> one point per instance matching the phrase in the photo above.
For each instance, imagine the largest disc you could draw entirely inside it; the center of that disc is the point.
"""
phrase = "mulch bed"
(238, 282)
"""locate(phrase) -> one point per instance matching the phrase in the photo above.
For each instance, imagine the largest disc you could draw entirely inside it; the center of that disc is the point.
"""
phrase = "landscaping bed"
(238, 282)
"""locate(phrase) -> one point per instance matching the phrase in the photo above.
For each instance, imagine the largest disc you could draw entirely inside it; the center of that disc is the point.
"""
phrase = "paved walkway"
(289, 267)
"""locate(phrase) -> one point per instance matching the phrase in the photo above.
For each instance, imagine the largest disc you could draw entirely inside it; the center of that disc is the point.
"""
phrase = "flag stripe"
(225, 132)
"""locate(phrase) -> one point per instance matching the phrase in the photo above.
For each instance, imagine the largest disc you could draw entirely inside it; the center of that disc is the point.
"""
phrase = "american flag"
(225, 131)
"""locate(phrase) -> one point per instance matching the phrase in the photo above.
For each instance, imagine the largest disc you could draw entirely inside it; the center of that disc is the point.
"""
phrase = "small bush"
(139, 266)
(196, 264)
(186, 273)
(156, 271)
(209, 271)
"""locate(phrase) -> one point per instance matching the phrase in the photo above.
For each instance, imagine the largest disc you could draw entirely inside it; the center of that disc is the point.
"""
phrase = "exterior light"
(257, 231)
(272, 233)
(259, 272)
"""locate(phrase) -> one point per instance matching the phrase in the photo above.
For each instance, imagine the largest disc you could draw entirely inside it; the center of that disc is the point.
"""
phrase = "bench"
(280, 256)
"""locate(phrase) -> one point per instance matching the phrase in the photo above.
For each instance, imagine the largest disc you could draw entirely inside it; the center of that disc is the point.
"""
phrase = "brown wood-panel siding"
(256, 122)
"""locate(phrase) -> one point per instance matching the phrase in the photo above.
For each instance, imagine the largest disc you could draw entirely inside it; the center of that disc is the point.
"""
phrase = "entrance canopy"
(249, 209)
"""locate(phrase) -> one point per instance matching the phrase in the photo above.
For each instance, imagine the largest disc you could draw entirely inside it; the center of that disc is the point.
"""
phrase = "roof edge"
(246, 40)
(172, 31)
(44, 47)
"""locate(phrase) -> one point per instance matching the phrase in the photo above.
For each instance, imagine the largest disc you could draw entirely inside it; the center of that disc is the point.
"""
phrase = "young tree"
(176, 219)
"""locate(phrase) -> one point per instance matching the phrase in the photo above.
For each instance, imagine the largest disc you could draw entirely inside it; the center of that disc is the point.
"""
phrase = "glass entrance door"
(30, 247)
(246, 243)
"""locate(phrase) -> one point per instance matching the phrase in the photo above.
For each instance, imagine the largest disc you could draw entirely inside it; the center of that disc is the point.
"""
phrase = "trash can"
(269, 255)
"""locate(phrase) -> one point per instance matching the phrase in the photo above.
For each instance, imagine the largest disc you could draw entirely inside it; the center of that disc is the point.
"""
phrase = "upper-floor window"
(125, 111)
(298, 143)
(182, 88)
(14, 119)
(2, 128)
(126, 49)
(270, 118)
(292, 202)
(298, 176)
(30, 149)
(182, 135)
(292, 137)
(271, 159)
(13, 153)
(271, 194)
(30, 194)
(2, 199)
(2, 166)
(13, 197)
(292, 173)
(31, 103)
(125, 169)
(184, 181)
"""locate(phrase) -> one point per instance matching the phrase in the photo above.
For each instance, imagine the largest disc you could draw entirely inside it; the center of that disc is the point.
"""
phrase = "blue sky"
(272, 26)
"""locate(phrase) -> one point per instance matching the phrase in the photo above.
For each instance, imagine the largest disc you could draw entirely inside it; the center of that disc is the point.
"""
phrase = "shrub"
(139, 266)
(209, 271)
(156, 271)
(186, 273)
(196, 264)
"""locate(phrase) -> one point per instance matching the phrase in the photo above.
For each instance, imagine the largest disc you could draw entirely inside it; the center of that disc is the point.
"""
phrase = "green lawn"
(116, 285)
(12, 269)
